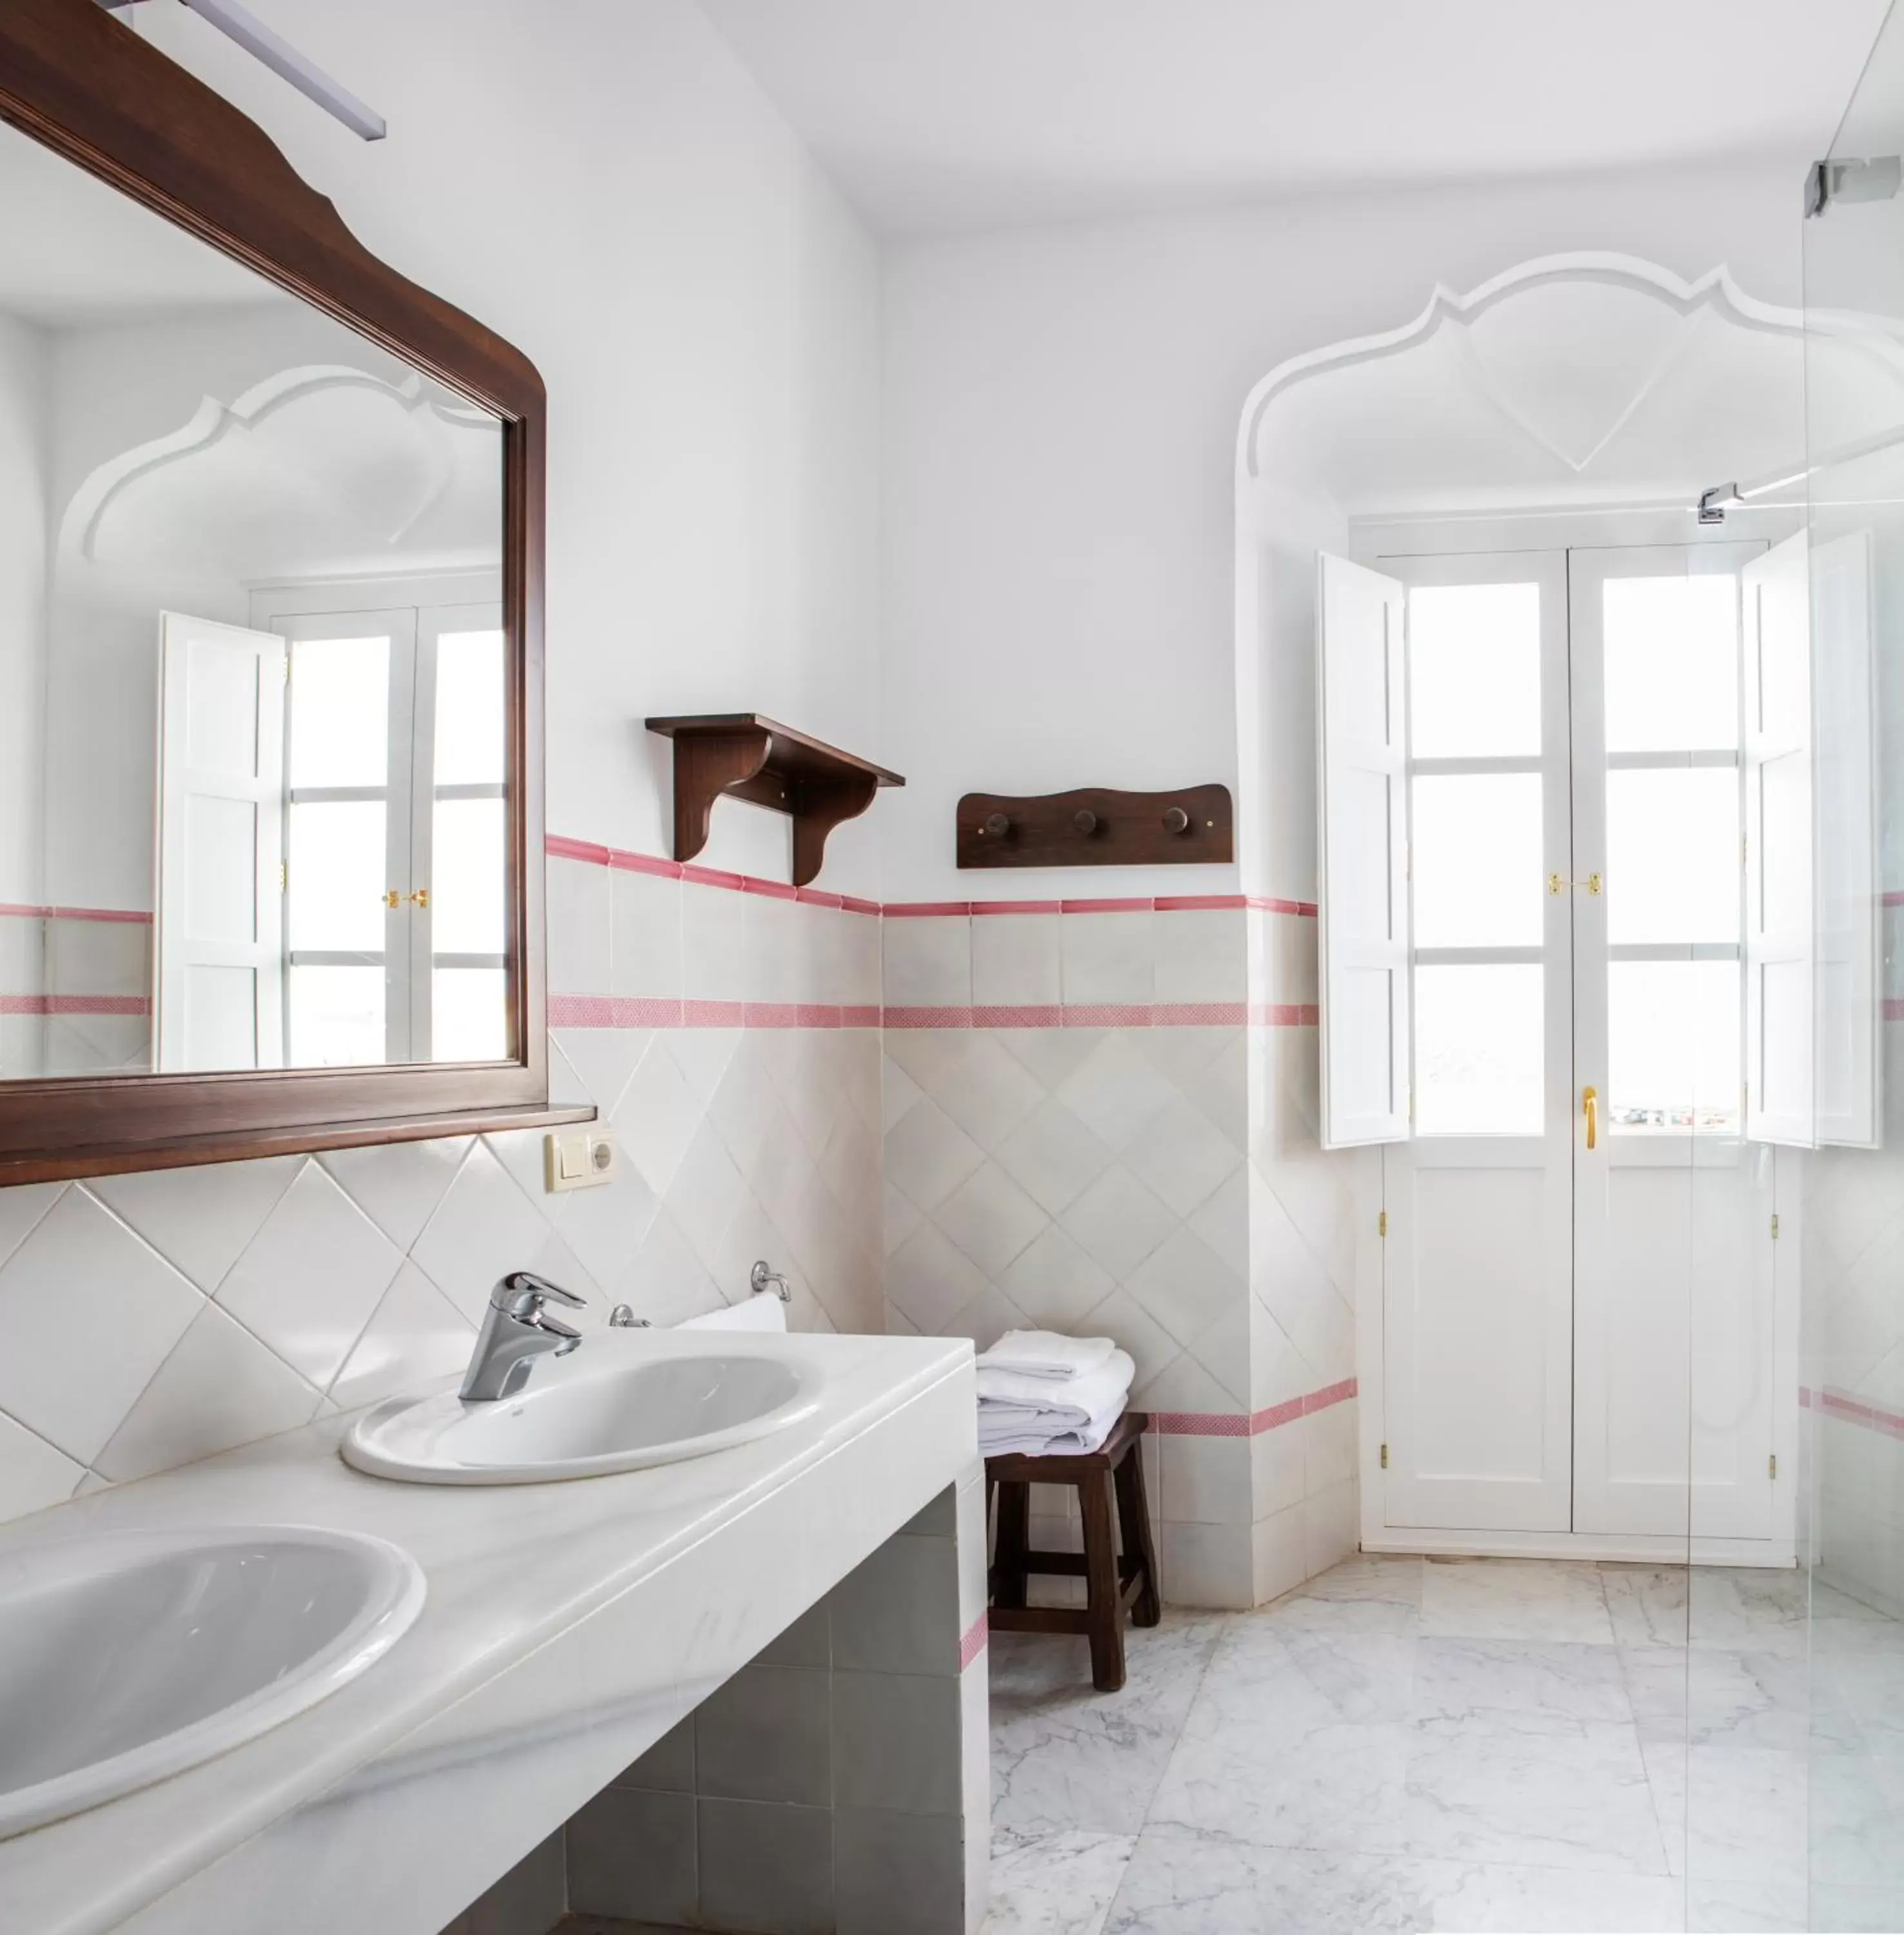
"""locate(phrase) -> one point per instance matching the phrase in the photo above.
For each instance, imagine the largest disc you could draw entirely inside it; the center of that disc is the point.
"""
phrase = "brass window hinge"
(1771, 1465)
(1384, 1457)
(1381, 1223)
(1775, 1228)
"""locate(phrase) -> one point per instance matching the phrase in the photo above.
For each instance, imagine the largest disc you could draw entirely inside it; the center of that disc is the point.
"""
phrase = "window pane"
(1478, 1051)
(335, 883)
(466, 878)
(1476, 860)
(1672, 651)
(1672, 868)
(1673, 1047)
(1474, 670)
(469, 697)
(339, 712)
(470, 1016)
(336, 1019)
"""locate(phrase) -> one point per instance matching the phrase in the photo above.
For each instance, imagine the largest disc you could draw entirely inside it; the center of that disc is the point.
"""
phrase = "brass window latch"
(1557, 883)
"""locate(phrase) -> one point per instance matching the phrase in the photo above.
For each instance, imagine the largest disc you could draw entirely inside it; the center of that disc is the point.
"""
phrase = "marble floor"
(1409, 1744)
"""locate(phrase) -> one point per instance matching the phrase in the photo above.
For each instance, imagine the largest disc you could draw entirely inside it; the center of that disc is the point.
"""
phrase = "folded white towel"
(1046, 1354)
(1076, 1400)
(1008, 1431)
(762, 1312)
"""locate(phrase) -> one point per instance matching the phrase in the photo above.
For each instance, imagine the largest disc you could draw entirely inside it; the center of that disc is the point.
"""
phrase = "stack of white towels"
(1042, 1394)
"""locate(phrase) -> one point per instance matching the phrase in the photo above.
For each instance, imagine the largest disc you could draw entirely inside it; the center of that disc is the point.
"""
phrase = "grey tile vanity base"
(837, 1785)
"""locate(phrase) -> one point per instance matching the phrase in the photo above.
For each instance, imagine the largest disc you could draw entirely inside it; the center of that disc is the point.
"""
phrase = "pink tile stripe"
(618, 1011)
(1250, 1424)
(9, 911)
(973, 1642)
(651, 1011)
(1853, 1410)
(591, 852)
(75, 1004)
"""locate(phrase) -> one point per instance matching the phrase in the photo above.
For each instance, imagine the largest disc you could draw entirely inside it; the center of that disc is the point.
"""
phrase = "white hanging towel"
(1075, 1402)
(762, 1312)
(1045, 1354)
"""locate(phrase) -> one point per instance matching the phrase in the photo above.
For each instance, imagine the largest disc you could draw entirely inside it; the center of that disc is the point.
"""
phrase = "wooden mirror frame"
(77, 81)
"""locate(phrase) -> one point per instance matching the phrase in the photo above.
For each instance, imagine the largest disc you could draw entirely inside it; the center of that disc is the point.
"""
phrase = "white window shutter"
(1361, 619)
(218, 947)
(1776, 635)
(1848, 981)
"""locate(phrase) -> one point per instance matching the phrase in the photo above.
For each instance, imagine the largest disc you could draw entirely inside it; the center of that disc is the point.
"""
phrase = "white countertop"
(512, 1570)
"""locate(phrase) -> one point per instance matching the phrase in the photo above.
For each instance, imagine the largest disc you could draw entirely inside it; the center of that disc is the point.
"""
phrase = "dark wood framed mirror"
(286, 655)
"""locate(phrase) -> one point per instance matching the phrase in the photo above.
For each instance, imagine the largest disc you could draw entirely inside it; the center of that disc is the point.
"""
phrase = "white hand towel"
(1077, 1398)
(1045, 1354)
(763, 1311)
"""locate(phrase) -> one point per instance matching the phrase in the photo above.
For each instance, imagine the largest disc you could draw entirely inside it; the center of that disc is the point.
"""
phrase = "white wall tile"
(200, 1219)
(1015, 961)
(1117, 1221)
(485, 1228)
(1055, 1282)
(20, 1209)
(1278, 1555)
(577, 895)
(33, 1474)
(1116, 1091)
(1207, 1481)
(714, 963)
(89, 1311)
(991, 1219)
(928, 1155)
(1182, 1156)
(1278, 1467)
(414, 1334)
(309, 1279)
(1053, 1157)
(1200, 956)
(399, 1184)
(645, 931)
(1206, 1565)
(220, 1387)
(927, 960)
(1106, 959)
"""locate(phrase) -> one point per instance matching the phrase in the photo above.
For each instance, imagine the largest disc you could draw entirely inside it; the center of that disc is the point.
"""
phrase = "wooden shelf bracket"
(743, 755)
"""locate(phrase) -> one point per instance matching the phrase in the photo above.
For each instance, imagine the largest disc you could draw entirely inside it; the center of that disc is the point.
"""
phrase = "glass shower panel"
(1849, 1197)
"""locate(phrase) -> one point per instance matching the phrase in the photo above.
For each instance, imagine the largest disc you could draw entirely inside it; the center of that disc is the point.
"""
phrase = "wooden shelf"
(743, 755)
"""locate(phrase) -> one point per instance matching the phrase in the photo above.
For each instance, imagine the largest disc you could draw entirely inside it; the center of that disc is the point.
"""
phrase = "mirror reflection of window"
(394, 921)
(204, 478)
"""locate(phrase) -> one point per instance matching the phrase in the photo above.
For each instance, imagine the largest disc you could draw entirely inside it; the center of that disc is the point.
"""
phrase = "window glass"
(1673, 1047)
(339, 710)
(1475, 671)
(467, 878)
(1672, 664)
(1476, 860)
(1478, 1050)
(469, 709)
(336, 1017)
(1672, 854)
(335, 882)
(471, 1012)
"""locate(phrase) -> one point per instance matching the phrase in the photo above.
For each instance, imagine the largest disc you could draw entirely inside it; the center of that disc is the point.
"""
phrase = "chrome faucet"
(516, 1331)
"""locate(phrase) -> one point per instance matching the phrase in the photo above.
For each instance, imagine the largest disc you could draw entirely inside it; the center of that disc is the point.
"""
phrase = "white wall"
(605, 185)
(1061, 408)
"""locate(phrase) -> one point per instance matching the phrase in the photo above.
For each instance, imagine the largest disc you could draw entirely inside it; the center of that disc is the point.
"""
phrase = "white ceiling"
(947, 114)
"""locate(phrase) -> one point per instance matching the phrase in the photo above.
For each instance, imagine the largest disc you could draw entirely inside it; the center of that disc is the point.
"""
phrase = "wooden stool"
(1110, 1585)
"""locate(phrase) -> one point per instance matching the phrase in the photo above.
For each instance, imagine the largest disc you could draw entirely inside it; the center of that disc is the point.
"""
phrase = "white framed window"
(395, 912)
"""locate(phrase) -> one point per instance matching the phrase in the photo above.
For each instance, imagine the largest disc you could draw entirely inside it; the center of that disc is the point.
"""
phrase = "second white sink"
(626, 1398)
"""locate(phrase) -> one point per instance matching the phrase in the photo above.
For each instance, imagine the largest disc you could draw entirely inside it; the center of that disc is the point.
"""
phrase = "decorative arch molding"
(1879, 337)
(213, 423)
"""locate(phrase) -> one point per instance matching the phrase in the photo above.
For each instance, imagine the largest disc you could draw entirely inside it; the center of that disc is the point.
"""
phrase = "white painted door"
(1477, 1263)
(218, 952)
(1674, 1310)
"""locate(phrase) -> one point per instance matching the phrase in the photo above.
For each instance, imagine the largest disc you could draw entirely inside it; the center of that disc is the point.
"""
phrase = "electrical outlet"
(579, 1159)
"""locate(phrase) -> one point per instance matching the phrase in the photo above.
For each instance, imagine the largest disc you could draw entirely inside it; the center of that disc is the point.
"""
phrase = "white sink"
(131, 1656)
(626, 1398)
